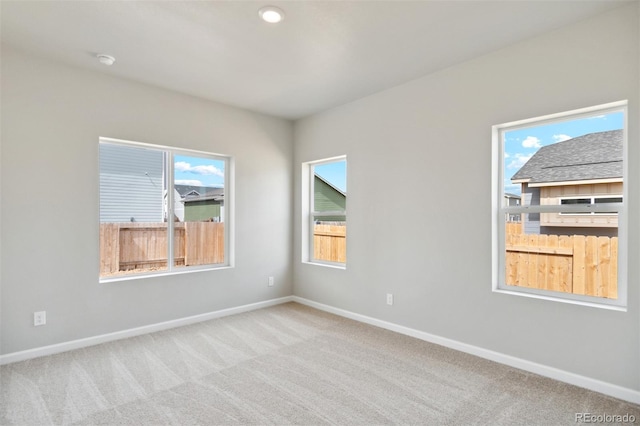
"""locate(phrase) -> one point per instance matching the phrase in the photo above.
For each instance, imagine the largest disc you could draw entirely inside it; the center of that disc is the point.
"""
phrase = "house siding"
(131, 184)
(552, 195)
(531, 197)
(196, 211)
(327, 198)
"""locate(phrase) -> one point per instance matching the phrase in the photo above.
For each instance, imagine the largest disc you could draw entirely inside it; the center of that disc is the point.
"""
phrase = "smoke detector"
(106, 59)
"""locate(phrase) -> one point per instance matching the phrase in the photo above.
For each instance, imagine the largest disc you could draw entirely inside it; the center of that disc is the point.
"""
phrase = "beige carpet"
(288, 364)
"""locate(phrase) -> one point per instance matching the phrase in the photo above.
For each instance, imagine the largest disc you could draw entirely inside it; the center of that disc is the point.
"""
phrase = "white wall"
(52, 117)
(419, 200)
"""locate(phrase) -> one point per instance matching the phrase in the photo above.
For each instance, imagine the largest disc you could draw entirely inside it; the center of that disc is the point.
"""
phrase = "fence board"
(204, 243)
(532, 262)
(178, 244)
(109, 248)
(565, 265)
(511, 261)
(570, 264)
(613, 270)
(543, 262)
(553, 282)
(604, 264)
(330, 242)
(591, 265)
(513, 228)
(579, 265)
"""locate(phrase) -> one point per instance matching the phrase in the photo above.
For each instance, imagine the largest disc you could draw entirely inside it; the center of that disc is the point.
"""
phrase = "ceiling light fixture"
(271, 14)
(106, 59)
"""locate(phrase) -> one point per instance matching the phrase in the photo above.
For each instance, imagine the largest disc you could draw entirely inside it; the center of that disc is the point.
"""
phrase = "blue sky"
(520, 145)
(198, 171)
(335, 173)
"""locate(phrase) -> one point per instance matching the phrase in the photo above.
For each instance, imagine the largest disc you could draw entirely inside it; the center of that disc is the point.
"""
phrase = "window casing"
(324, 212)
(163, 210)
(542, 255)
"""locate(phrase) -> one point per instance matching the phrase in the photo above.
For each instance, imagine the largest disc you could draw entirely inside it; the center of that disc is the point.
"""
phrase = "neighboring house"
(328, 198)
(131, 184)
(201, 203)
(583, 170)
(512, 200)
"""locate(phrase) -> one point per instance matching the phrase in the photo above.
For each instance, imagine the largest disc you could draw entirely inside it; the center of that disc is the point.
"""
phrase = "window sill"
(161, 274)
(618, 308)
(327, 265)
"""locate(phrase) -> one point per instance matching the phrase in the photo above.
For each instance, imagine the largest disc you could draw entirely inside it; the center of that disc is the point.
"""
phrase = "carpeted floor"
(289, 364)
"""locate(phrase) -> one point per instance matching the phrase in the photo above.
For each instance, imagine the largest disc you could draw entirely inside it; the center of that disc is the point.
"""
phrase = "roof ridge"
(581, 164)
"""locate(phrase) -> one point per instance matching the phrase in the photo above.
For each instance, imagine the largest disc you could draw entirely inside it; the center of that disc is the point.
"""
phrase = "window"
(325, 221)
(565, 239)
(162, 210)
(590, 200)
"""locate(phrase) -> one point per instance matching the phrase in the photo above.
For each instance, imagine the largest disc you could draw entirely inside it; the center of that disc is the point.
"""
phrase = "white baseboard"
(103, 338)
(615, 391)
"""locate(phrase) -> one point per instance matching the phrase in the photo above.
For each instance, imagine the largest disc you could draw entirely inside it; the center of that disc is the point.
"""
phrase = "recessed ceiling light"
(106, 59)
(271, 14)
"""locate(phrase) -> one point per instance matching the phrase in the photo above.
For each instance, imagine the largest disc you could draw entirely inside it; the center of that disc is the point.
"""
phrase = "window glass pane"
(133, 233)
(198, 210)
(330, 196)
(608, 200)
(576, 201)
(576, 162)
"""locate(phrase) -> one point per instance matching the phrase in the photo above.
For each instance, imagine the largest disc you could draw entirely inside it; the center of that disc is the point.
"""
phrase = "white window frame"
(499, 211)
(229, 200)
(308, 213)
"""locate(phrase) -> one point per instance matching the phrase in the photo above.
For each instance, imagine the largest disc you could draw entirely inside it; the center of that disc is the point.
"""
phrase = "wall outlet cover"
(39, 318)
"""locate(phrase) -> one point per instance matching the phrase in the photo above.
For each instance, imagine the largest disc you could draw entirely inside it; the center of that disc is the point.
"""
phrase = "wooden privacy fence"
(330, 243)
(143, 246)
(513, 228)
(571, 264)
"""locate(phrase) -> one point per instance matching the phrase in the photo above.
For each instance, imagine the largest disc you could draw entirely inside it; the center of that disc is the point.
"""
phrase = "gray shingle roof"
(591, 156)
(192, 192)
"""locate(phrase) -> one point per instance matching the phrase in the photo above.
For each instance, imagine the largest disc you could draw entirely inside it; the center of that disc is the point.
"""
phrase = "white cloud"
(183, 166)
(506, 155)
(561, 138)
(531, 142)
(192, 182)
(519, 160)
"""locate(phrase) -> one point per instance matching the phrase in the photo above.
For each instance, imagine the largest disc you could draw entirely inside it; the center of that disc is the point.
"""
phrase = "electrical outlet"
(389, 299)
(271, 281)
(39, 318)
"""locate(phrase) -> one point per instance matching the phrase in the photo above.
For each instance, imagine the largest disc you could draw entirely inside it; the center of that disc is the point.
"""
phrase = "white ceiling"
(325, 53)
